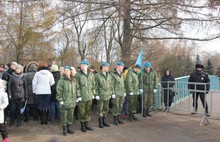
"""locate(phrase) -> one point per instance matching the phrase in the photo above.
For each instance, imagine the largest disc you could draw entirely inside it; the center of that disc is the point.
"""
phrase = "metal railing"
(183, 99)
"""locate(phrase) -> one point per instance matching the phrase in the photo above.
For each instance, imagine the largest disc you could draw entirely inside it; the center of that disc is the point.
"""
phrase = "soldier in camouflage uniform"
(85, 90)
(132, 90)
(66, 96)
(103, 93)
(149, 87)
(118, 92)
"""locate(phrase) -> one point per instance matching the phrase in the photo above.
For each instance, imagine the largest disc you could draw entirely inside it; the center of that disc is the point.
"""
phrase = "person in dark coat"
(16, 89)
(11, 69)
(167, 83)
(54, 104)
(5, 76)
(200, 89)
(31, 108)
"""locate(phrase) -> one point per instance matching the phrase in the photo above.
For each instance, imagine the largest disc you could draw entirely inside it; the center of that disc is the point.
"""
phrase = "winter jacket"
(132, 82)
(3, 105)
(85, 85)
(168, 80)
(149, 80)
(66, 92)
(42, 82)
(199, 77)
(17, 87)
(118, 83)
(103, 86)
(31, 69)
(56, 76)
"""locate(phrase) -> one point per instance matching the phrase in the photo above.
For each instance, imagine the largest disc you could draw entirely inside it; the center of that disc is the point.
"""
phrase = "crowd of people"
(50, 92)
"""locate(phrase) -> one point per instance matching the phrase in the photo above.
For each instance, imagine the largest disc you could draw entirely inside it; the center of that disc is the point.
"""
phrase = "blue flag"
(139, 59)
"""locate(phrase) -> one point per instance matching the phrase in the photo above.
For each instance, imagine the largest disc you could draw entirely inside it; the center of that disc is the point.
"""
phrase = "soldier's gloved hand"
(124, 95)
(61, 102)
(141, 91)
(131, 93)
(155, 90)
(93, 97)
(97, 98)
(113, 96)
(78, 99)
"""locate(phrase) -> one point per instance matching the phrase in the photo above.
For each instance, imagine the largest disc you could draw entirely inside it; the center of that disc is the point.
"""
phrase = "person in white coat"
(3, 105)
(42, 82)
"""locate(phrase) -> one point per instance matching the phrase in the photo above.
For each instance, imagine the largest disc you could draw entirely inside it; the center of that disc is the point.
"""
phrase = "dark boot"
(131, 118)
(194, 112)
(18, 122)
(88, 127)
(46, 116)
(120, 121)
(40, 114)
(64, 130)
(134, 117)
(104, 122)
(144, 113)
(207, 112)
(115, 120)
(69, 129)
(100, 123)
(3, 131)
(148, 113)
(83, 128)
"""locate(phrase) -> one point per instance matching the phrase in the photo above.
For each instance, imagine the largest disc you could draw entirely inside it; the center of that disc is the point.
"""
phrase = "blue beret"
(120, 64)
(147, 64)
(84, 62)
(105, 64)
(67, 67)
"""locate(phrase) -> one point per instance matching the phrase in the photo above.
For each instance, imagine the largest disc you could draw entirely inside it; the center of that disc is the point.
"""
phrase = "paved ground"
(177, 126)
(159, 128)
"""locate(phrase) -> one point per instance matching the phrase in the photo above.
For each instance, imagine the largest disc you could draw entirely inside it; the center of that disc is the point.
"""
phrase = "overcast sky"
(210, 46)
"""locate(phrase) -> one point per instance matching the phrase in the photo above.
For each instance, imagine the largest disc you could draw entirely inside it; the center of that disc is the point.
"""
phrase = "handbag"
(172, 92)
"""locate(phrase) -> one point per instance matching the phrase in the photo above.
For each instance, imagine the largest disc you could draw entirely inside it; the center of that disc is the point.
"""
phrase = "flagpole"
(142, 87)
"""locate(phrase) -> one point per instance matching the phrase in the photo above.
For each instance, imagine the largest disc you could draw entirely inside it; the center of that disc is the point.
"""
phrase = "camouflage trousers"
(85, 108)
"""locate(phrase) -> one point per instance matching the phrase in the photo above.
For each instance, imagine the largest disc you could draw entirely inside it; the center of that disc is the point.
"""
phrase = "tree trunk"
(127, 37)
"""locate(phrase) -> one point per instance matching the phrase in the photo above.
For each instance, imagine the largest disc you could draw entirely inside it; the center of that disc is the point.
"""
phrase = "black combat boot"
(64, 130)
(83, 127)
(100, 123)
(104, 122)
(115, 120)
(69, 129)
(120, 121)
(88, 127)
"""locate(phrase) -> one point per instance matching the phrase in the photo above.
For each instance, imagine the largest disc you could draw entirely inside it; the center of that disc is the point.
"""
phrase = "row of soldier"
(64, 92)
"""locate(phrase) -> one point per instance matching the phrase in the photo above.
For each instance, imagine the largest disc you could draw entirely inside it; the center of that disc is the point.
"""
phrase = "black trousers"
(202, 98)
(168, 98)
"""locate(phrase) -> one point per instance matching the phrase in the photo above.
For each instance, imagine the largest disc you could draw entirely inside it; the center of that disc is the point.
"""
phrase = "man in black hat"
(199, 85)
